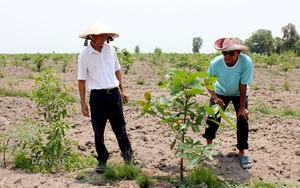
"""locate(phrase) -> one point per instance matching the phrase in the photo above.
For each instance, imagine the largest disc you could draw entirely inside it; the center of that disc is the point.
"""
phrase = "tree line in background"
(261, 42)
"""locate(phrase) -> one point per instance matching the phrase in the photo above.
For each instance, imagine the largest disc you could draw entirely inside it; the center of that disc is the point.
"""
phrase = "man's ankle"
(241, 153)
(208, 141)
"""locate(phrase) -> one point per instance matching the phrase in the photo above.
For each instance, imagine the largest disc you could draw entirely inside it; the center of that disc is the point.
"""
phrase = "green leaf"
(151, 112)
(194, 160)
(201, 74)
(209, 156)
(187, 148)
(184, 155)
(211, 80)
(226, 119)
(209, 110)
(195, 128)
(179, 73)
(210, 87)
(210, 146)
(160, 110)
(196, 91)
(175, 88)
(142, 103)
(177, 95)
(147, 96)
(173, 144)
(163, 100)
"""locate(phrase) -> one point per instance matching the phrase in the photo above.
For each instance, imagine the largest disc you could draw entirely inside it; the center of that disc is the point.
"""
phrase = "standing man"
(99, 70)
(234, 72)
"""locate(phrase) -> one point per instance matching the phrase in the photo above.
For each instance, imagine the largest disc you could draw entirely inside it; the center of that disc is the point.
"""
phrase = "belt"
(106, 91)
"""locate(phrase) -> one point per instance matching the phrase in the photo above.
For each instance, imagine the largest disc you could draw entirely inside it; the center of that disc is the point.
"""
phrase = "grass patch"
(131, 103)
(271, 185)
(263, 66)
(121, 171)
(202, 177)
(11, 93)
(1, 74)
(140, 82)
(272, 89)
(30, 77)
(256, 88)
(263, 109)
(290, 112)
(143, 181)
(118, 171)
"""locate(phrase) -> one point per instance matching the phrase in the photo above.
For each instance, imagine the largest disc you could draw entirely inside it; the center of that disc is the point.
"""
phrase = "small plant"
(49, 147)
(285, 67)
(3, 60)
(7, 146)
(182, 113)
(125, 60)
(272, 60)
(64, 66)
(38, 61)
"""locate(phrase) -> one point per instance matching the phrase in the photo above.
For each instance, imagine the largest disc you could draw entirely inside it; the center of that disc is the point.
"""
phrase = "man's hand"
(243, 113)
(85, 110)
(125, 97)
(219, 102)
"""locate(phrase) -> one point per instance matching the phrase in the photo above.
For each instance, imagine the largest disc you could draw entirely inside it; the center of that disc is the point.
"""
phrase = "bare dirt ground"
(274, 139)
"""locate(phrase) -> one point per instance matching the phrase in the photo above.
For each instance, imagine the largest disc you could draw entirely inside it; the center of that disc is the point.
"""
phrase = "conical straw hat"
(98, 28)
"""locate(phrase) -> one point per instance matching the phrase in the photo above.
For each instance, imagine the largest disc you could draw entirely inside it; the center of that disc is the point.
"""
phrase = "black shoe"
(101, 167)
(128, 158)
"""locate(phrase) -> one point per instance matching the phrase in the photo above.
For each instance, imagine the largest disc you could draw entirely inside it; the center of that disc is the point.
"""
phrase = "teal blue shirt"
(229, 78)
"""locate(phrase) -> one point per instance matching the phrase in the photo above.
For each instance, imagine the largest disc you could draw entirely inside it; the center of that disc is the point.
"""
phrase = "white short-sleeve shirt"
(98, 69)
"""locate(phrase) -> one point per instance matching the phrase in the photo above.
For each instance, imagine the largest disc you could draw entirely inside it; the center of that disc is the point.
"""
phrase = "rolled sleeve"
(82, 68)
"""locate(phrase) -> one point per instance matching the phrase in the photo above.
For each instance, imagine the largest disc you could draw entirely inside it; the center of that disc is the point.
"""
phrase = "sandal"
(245, 162)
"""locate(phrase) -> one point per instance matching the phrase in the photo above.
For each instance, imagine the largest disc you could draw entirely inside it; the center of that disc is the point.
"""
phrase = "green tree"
(197, 43)
(137, 49)
(278, 44)
(290, 36)
(297, 47)
(157, 51)
(261, 42)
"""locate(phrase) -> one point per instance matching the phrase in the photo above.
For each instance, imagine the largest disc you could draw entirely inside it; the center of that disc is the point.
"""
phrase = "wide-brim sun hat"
(230, 44)
(98, 28)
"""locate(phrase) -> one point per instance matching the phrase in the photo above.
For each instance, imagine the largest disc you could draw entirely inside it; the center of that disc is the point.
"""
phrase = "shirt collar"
(92, 50)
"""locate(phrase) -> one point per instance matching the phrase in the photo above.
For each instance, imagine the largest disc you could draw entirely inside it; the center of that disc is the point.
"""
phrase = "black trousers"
(108, 106)
(242, 124)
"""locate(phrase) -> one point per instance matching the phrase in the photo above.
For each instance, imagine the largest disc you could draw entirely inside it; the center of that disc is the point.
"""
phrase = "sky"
(37, 26)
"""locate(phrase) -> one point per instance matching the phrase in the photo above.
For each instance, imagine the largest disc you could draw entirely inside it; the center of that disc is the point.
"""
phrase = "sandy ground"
(274, 139)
